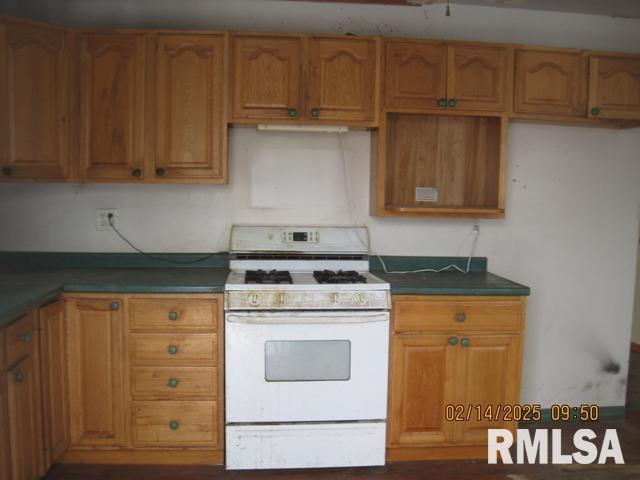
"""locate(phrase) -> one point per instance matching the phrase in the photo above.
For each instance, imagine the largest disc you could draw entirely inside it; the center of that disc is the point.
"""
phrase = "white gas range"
(306, 349)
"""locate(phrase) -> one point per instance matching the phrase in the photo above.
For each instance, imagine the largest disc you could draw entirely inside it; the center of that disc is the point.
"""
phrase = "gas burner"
(329, 276)
(272, 276)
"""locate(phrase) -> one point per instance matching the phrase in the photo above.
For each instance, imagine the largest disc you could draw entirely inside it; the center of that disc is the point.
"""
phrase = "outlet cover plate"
(102, 219)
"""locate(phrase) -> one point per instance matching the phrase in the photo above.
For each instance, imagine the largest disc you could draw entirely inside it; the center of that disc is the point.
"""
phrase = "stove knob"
(280, 298)
(336, 298)
(360, 298)
(254, 299)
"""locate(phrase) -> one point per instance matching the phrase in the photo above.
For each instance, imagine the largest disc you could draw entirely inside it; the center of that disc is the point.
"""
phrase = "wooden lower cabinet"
(73, 388)
(25, 436)
(54, 381)
(460, 358)
(422, 383)
(4, 434)
(96, 371)
(175, 375)
(4, 441)
(145, 378)
(488, 374)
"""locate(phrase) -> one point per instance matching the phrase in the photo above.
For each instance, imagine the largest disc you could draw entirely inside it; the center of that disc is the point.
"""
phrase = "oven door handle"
(266, 319)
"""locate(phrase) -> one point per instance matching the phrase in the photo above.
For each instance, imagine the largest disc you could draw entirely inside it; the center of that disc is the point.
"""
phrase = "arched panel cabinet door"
(416, 74)
(112, 102)
(96, 374)
(550, 82)
(34, 102)
(342, 82)
(477, 78)
(190, 126)
(614, 86)
(266, 75)
(55, 385)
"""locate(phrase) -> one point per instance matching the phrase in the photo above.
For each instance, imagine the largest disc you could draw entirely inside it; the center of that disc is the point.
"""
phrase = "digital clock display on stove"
(300, 236)
(309, 236)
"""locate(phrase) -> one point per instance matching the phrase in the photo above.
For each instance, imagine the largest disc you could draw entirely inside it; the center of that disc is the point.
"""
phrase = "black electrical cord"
(156, 257)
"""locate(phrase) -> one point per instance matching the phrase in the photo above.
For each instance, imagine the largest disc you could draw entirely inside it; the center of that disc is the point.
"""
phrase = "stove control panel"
(296, 236)
(307, 300)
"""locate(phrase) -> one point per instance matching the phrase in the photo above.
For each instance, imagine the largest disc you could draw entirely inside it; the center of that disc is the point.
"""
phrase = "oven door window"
(307, 360)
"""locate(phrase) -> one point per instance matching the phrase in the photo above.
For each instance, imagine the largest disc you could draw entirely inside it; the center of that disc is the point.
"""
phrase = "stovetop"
(341, 276)
(321, 276)
(267, 277)
(317, 280)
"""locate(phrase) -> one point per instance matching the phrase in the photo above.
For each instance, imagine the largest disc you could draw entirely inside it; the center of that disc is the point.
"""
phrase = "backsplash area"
(573, 209)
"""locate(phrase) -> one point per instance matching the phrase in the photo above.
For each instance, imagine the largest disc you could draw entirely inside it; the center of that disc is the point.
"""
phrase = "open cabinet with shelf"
(440, 165)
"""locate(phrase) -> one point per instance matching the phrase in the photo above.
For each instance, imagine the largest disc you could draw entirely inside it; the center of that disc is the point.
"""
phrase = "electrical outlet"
(102, 218)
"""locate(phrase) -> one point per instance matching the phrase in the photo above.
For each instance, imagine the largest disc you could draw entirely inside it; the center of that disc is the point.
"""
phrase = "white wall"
(573, 200)
(635, 330)
(466, 22)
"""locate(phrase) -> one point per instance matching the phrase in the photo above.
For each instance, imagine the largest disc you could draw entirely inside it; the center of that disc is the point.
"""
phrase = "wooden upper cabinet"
(190, 100)
(342, 83)
(304, 78)
(416, 74)
(112, 123)
(423, 382)
(432, 75)
(34, 102)
(54, 381)
(266, 77)
(477, 78)
(614, 87)
(96, 359)
(550, 82)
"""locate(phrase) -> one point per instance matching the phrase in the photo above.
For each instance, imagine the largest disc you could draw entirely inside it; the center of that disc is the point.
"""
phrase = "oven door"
(306, 366)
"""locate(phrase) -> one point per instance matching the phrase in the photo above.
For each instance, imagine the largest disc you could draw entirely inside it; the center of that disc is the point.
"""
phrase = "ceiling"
(614, 8)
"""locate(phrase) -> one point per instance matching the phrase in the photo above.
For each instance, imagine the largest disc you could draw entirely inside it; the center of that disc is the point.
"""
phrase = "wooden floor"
(628, 432)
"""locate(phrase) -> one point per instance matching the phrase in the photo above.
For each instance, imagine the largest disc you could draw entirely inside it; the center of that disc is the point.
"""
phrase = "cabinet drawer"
(20, 338)
(175, 424)
(174, 347)
(173, 314)
(411, 315)
(174, 381)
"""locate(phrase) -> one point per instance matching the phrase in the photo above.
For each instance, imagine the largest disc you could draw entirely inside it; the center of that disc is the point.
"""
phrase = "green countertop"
(25, 285)
(452, 283)
(21, 291)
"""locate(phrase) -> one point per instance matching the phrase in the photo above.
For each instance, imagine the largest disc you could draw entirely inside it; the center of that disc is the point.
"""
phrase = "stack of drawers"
(175, 371)
(21, 389)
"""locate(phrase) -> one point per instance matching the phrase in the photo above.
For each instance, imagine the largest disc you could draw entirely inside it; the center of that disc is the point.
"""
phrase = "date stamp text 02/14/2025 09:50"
(520, 413)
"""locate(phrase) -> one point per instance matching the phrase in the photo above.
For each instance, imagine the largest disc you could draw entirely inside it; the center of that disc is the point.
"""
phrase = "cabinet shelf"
(459, 159)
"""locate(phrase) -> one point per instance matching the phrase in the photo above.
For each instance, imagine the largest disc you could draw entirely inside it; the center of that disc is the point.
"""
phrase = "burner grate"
(263, 276)
(341, 276)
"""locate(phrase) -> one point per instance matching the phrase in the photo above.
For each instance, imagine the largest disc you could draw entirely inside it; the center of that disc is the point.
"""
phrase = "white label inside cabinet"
(426, 194)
